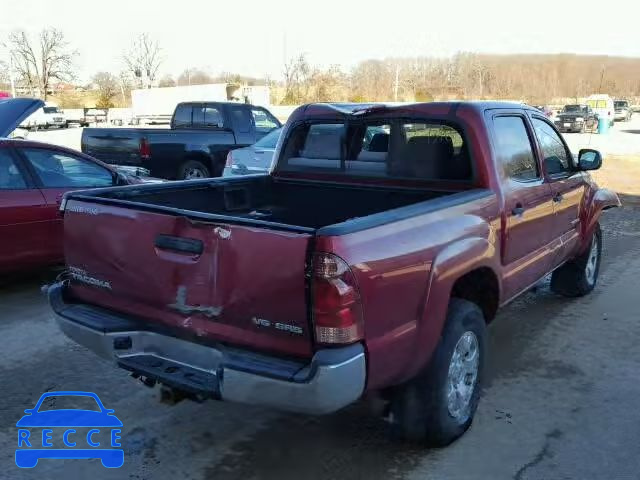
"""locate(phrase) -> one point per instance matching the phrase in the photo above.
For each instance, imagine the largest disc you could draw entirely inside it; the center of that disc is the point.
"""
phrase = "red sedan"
(33, 178)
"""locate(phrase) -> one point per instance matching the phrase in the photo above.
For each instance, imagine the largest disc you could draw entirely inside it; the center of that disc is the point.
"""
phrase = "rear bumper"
(333, 379)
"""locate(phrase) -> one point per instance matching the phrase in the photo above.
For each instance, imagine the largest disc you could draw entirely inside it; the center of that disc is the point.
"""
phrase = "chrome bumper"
(332, 380)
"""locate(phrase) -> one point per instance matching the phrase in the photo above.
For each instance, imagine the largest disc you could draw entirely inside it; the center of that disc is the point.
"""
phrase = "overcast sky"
(252, 37)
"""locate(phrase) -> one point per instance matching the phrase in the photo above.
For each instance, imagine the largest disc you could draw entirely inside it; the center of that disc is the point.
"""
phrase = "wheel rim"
(462, 376)
(592, 261)
(192, 173)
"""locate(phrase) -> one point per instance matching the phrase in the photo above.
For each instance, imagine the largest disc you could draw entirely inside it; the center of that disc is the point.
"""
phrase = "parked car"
(576, 118)
(623, 111)
(254, 159)
(33, 177)
(47, 116)
(196, 146)
(343, 272)
(603, 107)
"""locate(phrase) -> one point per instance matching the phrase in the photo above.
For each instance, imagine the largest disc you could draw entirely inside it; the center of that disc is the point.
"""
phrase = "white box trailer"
(156, 105)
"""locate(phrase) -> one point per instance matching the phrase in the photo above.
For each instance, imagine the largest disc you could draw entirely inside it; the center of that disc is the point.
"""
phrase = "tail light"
(229, 161)
(145, 149)
(337, 310)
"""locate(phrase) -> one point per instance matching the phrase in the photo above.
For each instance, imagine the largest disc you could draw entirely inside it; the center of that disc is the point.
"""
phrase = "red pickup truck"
(362, 264)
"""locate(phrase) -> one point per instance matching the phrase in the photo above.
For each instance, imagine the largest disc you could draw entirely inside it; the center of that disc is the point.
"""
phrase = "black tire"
(573, 279)
(192, 169)
(419, 409)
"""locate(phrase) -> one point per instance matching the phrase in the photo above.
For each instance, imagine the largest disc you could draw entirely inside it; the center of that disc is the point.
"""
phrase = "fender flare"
(602, 199)
(451, 264)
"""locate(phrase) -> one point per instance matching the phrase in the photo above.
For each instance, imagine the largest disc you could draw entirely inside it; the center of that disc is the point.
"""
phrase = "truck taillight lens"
(337, 310)
(229, 161)
(145, 148)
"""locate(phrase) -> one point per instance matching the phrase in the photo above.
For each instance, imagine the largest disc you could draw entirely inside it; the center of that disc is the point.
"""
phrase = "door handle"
(179, 244)
(518, 210)
(558, 197)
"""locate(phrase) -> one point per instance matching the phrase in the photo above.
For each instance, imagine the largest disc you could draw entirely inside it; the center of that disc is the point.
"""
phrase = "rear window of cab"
(398, 149)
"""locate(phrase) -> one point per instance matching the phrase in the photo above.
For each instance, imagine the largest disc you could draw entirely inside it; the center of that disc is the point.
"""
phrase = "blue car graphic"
(68, 418)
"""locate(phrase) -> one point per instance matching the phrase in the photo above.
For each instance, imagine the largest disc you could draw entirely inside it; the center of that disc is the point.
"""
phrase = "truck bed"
(216, 257)
(264, 200)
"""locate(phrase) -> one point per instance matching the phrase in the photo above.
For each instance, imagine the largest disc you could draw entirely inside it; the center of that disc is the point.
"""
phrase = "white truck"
(46, 117)
(603, 106)
(156, 105)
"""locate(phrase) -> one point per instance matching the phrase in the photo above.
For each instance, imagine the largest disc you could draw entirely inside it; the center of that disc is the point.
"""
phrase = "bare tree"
(4, 75)
(143, 59)
(167, 81)
(297, 74)
(38, 63)
(108, 89)
(194, 76)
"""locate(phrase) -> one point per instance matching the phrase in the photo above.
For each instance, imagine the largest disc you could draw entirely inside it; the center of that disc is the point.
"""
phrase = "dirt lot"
(560, 403)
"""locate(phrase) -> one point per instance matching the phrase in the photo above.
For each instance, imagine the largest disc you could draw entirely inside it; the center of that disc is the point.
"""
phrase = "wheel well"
(198, 157)
(212, 162)
(481, 287)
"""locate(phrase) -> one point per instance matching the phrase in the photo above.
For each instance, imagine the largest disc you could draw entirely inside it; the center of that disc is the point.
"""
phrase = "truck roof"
(210, 102)
(425, 107)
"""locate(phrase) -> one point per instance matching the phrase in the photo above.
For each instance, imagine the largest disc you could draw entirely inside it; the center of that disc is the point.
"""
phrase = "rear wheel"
(193, 169)
(438, 405)
(579, 276)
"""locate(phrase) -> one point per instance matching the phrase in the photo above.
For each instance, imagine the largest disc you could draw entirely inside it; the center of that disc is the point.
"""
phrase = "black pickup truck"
(196, 145)
(577, 119)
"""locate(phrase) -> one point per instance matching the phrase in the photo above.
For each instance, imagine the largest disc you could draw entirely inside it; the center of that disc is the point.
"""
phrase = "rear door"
(243, 125)
(567, 186)
(23, 226)
(55, 173)
(213, 282)
(528, 212)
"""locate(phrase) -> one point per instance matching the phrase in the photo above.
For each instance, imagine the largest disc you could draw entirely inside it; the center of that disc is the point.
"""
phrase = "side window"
(212, 117)
(263, 120)
(10, 176)
(59, 170)
(241, 119)
(207, 116)
(514, 149)
(182, 116)
(555, 156)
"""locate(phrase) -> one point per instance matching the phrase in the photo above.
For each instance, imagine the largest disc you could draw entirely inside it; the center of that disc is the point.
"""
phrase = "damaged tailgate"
(236, 284)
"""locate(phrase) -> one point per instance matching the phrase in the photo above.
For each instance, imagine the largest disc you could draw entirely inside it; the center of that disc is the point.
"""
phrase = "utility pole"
(395, 87)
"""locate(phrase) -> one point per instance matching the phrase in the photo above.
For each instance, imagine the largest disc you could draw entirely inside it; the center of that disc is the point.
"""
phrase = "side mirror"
(589, 159)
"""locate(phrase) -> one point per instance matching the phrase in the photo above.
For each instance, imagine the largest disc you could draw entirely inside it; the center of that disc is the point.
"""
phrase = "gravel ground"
(560, 403)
